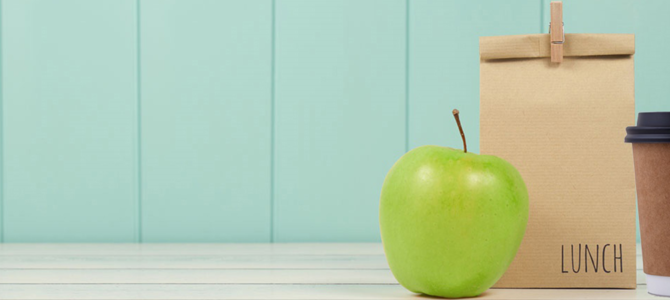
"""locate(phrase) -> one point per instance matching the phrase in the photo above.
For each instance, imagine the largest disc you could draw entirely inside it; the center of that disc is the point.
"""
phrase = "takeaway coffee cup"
(651, 154)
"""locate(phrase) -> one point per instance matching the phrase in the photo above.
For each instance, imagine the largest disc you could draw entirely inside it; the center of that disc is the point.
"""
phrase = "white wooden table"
(224, 271)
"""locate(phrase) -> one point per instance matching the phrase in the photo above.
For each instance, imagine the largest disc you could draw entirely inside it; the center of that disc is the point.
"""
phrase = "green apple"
(451, 222)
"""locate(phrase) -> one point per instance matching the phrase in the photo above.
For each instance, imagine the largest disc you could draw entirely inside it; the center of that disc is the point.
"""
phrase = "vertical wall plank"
(651, 58)
(652, 92)
(444, 63)
(2, 171)
(206, 121)
(340, 115)
(69, 120)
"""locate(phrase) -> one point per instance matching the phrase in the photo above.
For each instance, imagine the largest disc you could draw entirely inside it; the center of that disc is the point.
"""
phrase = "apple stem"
(460, 128)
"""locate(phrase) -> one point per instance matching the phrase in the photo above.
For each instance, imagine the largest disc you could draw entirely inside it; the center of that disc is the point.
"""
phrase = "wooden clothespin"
(556, 34)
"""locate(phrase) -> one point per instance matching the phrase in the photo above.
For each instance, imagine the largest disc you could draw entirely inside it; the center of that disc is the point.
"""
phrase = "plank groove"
(194, 249)
(331, 292)
(200, 262)
(193, 262)
(206, 276)
(199, 276)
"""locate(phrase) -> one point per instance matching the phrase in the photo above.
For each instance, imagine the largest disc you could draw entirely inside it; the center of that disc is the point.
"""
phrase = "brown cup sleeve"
(652, 177)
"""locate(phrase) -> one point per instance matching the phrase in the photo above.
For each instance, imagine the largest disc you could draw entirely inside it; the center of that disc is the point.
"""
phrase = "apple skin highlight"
(451, 222)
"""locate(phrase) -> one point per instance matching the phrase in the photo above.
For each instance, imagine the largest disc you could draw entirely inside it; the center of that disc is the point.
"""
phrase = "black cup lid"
(652, 127)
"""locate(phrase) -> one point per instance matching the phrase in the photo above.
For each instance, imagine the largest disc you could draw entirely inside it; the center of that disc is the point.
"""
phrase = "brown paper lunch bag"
(562, 126)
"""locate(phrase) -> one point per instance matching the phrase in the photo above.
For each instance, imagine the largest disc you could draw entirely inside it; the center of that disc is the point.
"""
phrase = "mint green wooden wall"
(249, 120)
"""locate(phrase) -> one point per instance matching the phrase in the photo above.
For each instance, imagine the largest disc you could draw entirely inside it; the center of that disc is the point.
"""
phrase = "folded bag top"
(538, 45)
